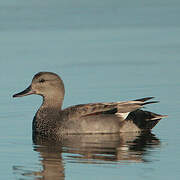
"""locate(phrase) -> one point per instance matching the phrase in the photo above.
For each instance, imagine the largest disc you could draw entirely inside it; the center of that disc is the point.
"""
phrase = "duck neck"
(52, 102)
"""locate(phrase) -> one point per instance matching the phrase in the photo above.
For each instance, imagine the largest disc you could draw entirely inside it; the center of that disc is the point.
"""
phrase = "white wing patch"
(123, 115)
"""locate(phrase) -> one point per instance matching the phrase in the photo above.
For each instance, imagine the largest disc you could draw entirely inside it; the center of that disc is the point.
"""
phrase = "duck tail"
(145, 120)
(153, 120)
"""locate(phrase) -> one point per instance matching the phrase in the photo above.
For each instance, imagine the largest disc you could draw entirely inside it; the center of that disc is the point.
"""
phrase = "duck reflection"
(92, 148)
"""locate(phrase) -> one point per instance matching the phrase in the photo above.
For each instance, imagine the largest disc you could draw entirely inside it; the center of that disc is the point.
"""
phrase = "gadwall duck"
(113, 117)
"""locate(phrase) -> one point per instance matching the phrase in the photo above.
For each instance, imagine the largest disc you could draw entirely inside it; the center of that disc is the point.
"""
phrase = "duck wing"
(122, 108)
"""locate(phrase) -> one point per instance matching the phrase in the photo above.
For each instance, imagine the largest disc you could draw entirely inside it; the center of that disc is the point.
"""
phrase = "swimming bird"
(110, 117)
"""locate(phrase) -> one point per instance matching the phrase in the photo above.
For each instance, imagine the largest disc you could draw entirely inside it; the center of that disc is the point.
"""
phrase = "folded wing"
(119, 108)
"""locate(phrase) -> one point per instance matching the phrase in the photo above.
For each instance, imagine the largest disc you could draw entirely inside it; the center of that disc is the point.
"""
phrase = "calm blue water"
(104, 51)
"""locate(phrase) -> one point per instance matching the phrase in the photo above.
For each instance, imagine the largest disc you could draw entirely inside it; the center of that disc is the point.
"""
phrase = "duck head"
(47, 84)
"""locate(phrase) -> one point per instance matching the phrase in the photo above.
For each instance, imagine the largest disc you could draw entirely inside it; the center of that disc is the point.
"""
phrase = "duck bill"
(27, 91)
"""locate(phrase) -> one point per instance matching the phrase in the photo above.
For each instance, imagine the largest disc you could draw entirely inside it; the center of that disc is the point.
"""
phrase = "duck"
(92, 118)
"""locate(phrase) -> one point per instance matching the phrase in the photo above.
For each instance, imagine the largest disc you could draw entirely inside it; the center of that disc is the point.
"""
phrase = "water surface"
(104, 51)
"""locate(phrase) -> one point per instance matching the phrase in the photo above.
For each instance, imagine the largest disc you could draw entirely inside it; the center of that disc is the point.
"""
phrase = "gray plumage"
(114, 117)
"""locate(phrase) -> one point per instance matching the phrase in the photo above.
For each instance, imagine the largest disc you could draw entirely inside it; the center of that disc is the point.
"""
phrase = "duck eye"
(41, 80)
